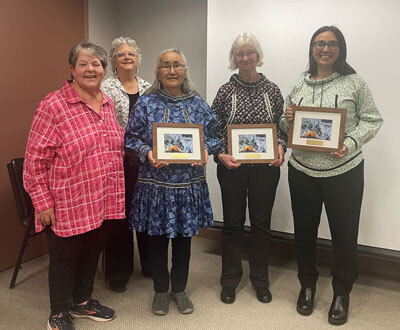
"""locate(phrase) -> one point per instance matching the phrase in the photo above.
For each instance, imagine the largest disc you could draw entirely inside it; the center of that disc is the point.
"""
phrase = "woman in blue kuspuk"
(171, 201)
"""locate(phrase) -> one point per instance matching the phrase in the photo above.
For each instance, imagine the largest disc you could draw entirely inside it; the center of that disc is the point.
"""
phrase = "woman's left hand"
(205, 157)
(281, 157)
(343, 152)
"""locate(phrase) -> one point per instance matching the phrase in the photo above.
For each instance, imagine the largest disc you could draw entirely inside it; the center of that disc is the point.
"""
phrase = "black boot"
(305, 302)
(339, 310)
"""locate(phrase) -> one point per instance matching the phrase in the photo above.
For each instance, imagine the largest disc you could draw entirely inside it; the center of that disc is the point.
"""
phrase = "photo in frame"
(317, 129)
(253, 143)
(178, 143)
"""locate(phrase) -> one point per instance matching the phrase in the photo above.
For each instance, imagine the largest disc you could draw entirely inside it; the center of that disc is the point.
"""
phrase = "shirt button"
(101, 120)
(104, 134)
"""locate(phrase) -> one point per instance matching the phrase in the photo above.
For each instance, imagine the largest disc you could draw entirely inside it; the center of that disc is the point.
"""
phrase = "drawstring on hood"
(322, 93)
(322, 82)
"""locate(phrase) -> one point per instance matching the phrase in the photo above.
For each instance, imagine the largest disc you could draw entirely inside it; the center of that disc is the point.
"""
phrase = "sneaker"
(160, 303)
(183, 303)
(60, 321)
(94, 311)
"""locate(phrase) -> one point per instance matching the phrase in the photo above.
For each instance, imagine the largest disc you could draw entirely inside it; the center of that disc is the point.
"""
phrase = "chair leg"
(21, 252)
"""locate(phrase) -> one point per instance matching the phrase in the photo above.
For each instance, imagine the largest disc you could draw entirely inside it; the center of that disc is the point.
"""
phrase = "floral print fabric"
(174, 199)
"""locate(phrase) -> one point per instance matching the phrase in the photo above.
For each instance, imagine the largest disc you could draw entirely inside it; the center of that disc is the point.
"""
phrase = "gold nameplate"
(180, 156)
(315, 142)
(252, 156)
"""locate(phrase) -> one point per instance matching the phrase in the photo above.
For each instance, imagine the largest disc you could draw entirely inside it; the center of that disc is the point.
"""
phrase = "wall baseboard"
(377, 262)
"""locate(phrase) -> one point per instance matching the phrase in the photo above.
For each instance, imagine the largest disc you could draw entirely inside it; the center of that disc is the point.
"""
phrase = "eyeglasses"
(250, 53)
(121, 55)
(321, 45)
(167, 67)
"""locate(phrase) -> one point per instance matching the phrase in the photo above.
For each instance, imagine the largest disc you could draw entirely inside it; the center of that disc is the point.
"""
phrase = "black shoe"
(263, 295)
(60, 321)
(305, 302)
(117, 287)
(339, 310)
(228, 295)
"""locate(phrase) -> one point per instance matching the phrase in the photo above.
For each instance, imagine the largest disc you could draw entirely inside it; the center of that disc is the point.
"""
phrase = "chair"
(26, 212)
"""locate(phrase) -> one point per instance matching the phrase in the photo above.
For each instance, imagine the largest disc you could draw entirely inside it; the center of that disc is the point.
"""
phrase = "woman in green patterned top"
(335, 180)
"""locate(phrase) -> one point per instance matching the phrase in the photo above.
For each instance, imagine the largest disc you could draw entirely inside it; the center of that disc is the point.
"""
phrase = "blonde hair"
(245, 38)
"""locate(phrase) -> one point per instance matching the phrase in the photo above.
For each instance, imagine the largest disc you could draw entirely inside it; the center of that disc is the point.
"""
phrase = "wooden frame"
(317, 129)
(253, 143)
(178, 143)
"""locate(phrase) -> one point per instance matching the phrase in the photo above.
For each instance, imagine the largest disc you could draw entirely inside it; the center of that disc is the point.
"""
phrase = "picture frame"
(317, 129)
(178, 143)
(253, 143)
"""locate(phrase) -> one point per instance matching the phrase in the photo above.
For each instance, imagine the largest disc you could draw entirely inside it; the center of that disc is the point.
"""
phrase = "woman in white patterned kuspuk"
(124, 88)
(333, 179)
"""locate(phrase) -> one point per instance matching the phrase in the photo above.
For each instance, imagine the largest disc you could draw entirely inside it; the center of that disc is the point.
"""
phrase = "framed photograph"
(318, 129)
(178, 143)
(253, 143)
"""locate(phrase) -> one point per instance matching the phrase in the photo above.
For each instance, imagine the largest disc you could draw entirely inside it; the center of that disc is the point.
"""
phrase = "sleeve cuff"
(350, 143)
(43, 204)
(144, 150)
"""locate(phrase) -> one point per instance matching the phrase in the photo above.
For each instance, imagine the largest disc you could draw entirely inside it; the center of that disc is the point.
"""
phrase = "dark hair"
(340, 66)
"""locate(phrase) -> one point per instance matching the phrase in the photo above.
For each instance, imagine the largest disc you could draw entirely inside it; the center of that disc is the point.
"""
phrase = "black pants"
(159, 262)
(72, 266)
(119, 251)
(258, 184)
(342, 197)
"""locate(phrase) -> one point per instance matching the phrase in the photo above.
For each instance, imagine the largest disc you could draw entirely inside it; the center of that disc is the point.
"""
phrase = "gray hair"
(247, 39)
(90, 48)
(187, 85)
(116, 43)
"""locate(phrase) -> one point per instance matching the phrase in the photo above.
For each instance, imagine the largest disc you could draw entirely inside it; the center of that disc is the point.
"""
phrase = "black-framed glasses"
(332, 45)
(167, 67)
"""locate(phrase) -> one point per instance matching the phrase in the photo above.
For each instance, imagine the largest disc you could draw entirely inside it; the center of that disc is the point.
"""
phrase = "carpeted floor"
(375, 303)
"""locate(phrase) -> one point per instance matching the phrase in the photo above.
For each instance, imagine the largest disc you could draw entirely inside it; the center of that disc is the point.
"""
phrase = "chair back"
(22, 200)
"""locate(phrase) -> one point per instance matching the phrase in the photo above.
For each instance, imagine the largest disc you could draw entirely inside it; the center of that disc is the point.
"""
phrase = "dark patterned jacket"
(241, 102)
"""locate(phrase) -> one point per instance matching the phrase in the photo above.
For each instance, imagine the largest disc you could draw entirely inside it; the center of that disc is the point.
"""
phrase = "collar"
(308, 80)
(72, 95)
(176, 98)
(235, 78)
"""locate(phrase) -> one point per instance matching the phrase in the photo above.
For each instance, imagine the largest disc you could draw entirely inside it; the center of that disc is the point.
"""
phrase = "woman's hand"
(289, 114)
(343, 152)
(153, 161)
(228, 161)
(281, 157)
(206, 160)
(46, 217)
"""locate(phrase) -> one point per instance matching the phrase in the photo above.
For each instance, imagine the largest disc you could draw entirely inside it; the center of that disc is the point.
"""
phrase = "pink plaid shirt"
(74, 162)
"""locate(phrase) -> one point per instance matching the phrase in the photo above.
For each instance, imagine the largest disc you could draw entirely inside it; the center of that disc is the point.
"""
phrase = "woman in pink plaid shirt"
(73, 172)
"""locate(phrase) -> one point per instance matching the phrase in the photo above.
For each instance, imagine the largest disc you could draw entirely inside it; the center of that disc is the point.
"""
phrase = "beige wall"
(35, 37)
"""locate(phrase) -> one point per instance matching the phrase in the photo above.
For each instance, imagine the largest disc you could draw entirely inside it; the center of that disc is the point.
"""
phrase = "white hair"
(117, 42)
(243, 39)
(187, 84)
